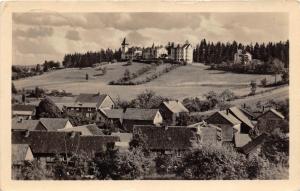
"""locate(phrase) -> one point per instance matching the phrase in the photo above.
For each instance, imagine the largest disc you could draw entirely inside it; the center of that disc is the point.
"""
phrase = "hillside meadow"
(186, 81)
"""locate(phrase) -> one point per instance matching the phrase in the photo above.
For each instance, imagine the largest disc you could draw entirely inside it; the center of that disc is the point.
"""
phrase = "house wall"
(188, 54)
(157, 119)
(29, 155)
(128, 124)
(68, 125)
(107, 103)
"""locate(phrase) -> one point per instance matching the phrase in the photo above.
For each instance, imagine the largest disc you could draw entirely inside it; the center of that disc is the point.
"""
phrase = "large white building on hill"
(181, 52)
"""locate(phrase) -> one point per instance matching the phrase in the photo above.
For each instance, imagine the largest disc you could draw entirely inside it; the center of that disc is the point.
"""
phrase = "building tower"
(124, 46)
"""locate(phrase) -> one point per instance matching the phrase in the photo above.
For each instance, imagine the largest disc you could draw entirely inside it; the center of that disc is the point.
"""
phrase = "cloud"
(137, 39)
(34, 32)
(33, 46)
(73, 35)
(51, 35)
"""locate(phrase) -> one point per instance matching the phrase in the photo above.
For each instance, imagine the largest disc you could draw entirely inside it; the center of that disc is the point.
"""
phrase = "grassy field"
(187, 81)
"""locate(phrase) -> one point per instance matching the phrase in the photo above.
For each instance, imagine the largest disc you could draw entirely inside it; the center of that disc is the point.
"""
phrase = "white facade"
(182, 53)
(242, 57)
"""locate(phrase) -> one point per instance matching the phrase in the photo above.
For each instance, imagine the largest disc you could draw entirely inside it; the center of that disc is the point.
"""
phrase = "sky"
(49, 36)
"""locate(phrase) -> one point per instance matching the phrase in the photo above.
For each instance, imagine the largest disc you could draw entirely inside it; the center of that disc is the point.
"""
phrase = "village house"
(27, 125)
(270, 120)
(242, 57)
(114, 116)
(46, 145)
(253, 147)
(246, 124)
(54, 124)
(227, 122)
(170, 111)
(88, 104)
(209, 134)
(21, 153)
(43, 124)
(137, 116)
(23, 111)
(172, 140)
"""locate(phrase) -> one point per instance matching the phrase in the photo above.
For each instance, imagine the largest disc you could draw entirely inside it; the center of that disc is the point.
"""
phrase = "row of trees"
(216, 53)
(81, 60)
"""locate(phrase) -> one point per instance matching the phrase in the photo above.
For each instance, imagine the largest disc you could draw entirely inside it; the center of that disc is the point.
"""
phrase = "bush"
(263, 82)
(213, 163)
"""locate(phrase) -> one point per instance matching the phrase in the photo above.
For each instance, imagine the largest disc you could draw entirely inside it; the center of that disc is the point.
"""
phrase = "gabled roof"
(53, 124)
(22, 107)
(85, 130)
(113, 113)
(241, 140)
(166, 138)
(90, 98)
(246, 149)
(19, 152)
(140, 114)
(57, 142)
(248, 113)
(241, 116)
(229, 117)
(24, 124)
(274, 112)
(175, 106)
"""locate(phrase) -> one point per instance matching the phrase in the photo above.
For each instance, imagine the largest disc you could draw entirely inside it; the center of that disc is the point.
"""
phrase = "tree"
(86, 76)
(264, 82)
(213, 162)
(133, 164)
(32, 170)
(38, 68)
(227, 95)
(253, 87)
(276, 148)
(285, 76)
(38, 92)
(47, 108)
(147, 99)
(23, 97)
(277, 67)
(13, 89)
(126, 75)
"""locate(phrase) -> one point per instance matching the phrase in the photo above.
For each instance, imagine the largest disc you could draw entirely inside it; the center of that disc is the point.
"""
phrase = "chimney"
(227, 111)
(263, 109)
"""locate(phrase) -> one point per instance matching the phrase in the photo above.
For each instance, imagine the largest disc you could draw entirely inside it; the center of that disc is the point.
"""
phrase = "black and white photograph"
(150, 96)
